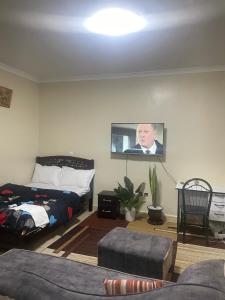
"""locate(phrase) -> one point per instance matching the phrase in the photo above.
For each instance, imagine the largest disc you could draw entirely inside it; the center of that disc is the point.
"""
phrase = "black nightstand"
(108, 205)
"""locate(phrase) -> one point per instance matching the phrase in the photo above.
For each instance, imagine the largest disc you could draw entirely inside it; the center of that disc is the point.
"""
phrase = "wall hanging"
(5, 96)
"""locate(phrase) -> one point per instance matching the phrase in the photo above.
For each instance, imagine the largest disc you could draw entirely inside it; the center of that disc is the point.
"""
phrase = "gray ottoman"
(136, 253)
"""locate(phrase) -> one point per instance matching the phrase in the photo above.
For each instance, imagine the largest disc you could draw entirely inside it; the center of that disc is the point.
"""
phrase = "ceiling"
(46, 40)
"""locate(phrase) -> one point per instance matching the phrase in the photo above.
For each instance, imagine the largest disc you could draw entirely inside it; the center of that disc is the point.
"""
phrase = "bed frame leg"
(91, 204)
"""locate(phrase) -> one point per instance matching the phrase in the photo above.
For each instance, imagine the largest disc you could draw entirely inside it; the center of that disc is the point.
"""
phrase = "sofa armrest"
(208, 273)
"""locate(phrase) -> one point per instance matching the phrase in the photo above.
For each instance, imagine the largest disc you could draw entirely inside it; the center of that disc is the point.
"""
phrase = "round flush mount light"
(115, 22)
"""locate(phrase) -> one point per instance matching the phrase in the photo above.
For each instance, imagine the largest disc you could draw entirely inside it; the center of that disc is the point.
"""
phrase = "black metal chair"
(195, 206)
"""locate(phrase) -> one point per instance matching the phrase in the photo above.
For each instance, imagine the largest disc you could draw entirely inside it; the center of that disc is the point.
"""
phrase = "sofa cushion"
(130, 286)
(26, 275)
(49, 277)
(209, 273)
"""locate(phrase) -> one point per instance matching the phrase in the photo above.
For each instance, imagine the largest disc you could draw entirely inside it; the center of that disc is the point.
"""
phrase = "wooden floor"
(187, 254)
(194, 250)
(168, 229)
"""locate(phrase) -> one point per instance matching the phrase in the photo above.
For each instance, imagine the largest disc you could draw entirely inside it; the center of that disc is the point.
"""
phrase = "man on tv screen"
(147, 143)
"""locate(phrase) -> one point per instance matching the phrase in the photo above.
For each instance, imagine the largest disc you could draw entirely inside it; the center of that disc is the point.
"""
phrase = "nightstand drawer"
(105, 212)
(105, 201)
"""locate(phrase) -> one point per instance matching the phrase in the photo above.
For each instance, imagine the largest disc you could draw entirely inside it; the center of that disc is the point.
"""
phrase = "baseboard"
(171, 218)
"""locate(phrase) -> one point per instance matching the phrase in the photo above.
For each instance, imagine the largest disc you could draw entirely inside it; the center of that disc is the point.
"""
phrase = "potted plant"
(154, 210)
(129, 199)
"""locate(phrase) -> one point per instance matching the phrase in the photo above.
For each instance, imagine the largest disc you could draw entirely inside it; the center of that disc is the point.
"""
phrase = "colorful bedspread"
(59, 205)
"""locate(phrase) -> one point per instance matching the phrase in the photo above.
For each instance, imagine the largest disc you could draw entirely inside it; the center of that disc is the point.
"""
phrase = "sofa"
(27, 275)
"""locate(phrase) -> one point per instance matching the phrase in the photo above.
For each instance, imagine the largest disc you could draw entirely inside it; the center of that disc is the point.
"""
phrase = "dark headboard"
(68, 161)
(72, 162)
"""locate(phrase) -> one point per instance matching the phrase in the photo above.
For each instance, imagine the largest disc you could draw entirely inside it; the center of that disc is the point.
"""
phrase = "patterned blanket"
(60, 206)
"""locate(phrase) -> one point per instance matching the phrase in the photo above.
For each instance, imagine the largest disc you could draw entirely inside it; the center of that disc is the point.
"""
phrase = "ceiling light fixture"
(115, 22)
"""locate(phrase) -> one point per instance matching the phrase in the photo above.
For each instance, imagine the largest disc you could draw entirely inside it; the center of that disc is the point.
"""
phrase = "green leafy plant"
(153, 182)
(128, 197)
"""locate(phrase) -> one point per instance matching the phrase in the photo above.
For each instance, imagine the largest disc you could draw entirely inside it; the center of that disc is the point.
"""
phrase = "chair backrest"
(197, 192)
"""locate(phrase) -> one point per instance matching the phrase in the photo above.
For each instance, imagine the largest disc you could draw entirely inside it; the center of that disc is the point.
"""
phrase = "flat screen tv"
(138, 138)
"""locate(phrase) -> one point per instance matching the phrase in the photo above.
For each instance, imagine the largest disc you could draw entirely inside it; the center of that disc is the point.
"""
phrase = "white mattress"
(59, 188)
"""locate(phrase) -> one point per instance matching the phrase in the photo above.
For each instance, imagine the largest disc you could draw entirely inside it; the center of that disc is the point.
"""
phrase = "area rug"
(84, 247)
(83, 238)
(187, 255)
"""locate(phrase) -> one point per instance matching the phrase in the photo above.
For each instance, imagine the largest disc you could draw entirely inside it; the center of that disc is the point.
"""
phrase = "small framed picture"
(5, 96)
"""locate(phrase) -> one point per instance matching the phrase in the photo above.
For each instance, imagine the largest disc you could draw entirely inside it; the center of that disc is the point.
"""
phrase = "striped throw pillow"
(115, 287)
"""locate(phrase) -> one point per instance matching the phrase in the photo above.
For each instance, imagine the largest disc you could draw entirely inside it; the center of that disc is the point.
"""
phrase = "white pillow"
(47, 174)
(77, 178)
(74, 189)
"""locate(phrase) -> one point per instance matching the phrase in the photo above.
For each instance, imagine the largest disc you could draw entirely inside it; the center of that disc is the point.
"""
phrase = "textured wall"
(76, 117)
(18, 129)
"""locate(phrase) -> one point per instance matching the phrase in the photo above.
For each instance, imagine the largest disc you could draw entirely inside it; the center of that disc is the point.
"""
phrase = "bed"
(61, 188)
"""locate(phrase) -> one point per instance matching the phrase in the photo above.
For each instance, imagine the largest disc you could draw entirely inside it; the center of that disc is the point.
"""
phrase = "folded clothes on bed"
(37, 212)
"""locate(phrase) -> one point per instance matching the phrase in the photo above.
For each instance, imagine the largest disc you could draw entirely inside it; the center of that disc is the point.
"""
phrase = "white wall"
(76, 117)
(18, 129)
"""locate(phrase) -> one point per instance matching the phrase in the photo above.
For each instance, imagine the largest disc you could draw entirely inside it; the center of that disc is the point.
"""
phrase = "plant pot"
(155, 215)
(130, 214)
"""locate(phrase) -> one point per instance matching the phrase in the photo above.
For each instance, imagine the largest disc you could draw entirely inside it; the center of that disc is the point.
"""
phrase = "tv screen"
(137, 138)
